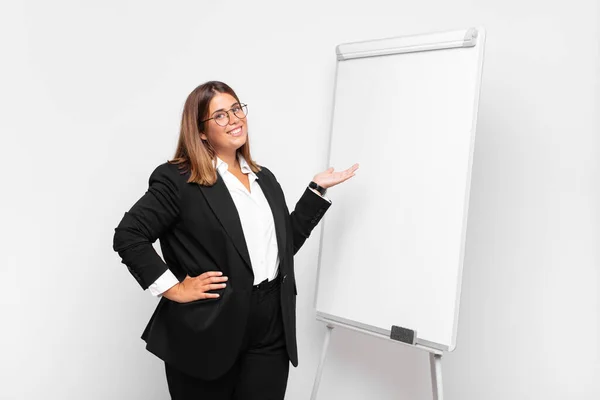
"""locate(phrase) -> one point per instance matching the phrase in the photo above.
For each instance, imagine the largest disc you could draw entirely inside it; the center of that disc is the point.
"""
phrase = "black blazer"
(200, 230)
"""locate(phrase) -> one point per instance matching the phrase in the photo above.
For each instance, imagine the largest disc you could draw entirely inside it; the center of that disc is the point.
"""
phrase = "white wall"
(90, 100)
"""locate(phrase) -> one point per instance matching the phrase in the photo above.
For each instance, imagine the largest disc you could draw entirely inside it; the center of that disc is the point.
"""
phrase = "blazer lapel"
(278, 211)
(222, 205)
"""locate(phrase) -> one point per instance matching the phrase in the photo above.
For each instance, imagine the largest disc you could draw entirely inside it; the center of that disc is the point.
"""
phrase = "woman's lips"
(235, 132)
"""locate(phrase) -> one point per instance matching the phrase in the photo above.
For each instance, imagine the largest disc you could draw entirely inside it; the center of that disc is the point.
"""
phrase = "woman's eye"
(219, 116)
(235, 109)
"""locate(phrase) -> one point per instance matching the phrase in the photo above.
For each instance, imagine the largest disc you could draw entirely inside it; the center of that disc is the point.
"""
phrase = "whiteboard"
(392, 245)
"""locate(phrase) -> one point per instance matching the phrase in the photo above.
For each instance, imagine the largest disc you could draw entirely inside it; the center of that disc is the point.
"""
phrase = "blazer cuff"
(319, 194)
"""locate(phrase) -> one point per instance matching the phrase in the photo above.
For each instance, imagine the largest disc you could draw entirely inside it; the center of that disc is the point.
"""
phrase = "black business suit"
(199, 230)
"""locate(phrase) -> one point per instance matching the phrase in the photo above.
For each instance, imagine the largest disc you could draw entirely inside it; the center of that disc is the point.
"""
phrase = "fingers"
(213, 286)
(209, 274)
(352, 169)
(209, 296)
(208, 281)
(339, 177)
(205, 291)
(213, 279)
(348, 171)
(345, 178)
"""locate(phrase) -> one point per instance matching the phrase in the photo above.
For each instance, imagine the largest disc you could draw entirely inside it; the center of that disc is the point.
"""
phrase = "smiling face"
(225, 140)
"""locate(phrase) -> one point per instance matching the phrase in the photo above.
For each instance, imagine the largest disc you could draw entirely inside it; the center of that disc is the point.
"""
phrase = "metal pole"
(435, 361)
(313, 396)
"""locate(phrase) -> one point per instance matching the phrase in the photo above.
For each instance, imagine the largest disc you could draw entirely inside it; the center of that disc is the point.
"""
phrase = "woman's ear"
(203, 136)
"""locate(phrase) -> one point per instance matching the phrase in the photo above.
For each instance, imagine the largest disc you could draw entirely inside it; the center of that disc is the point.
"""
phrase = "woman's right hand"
(196, 288)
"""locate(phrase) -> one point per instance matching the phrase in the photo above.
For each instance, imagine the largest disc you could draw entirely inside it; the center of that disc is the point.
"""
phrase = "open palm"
(329, 177)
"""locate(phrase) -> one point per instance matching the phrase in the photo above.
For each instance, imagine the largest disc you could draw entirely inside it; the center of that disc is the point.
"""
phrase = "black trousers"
(261, 371)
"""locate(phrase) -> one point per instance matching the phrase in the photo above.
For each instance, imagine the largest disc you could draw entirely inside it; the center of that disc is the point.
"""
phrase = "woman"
(225, 323)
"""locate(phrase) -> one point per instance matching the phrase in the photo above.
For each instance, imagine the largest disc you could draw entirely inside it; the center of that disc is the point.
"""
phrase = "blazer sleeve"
(147, 220)
(306, 215)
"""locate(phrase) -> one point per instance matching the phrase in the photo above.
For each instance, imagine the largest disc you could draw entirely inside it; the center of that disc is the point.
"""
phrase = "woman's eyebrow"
(222, 109)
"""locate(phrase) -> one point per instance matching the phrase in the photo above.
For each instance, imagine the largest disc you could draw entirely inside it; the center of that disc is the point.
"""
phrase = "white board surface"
(392, 244)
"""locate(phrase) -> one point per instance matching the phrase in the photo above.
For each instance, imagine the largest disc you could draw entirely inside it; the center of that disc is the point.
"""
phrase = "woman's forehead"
(222, 101)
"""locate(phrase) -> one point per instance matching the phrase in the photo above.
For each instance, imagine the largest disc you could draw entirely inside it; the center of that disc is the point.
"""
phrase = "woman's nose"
(232, 117)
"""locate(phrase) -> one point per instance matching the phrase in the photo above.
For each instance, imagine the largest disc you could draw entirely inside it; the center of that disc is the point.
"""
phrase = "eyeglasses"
(222, 117)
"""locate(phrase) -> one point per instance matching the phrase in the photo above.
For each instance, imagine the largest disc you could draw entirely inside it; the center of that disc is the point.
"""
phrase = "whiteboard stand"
(435, 361)
(313, 396)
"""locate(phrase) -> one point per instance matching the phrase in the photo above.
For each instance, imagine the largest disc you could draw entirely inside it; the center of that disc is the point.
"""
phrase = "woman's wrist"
(174, 293)
(315, 185)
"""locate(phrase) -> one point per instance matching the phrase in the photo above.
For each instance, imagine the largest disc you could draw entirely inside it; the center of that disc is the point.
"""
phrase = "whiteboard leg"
(435, 361)
(313, 396)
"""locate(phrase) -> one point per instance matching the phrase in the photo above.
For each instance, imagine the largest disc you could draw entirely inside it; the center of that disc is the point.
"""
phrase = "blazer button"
(283, 279)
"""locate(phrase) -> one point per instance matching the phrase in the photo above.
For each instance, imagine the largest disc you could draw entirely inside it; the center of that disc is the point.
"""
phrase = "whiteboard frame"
(377, 332)
(471, 37)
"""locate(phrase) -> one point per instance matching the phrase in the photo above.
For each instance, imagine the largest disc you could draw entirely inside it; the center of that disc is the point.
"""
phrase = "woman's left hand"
(329, 178)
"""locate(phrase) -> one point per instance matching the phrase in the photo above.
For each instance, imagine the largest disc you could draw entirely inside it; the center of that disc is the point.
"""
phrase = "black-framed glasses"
(222, 117)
